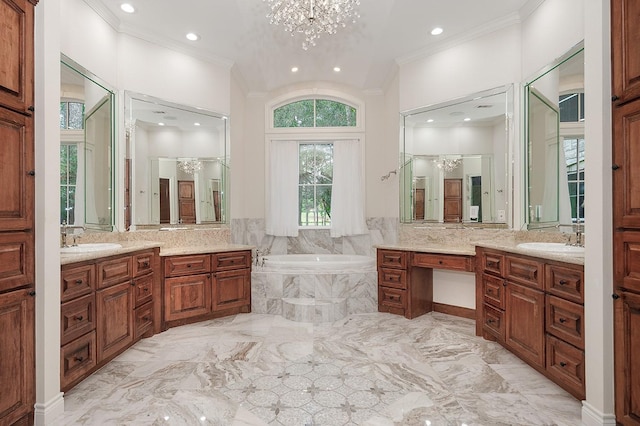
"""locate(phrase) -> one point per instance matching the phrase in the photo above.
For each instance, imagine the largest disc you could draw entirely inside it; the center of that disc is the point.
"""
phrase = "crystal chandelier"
(191, 166)
(447, 164)
(312, 17)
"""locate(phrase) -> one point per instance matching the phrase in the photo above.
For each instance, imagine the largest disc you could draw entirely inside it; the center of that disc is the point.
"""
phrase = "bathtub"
(318, 263)
(314, 287)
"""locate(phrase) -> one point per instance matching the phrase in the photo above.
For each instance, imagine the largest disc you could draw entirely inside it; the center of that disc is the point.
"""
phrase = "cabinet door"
(16, 260)
(627, 364)
(625, 39)
(17, 355)
(231, 289)
(16, 66)
(626, 160)
(114, 312)
(186, 297)
(524, 332)
(17, 188)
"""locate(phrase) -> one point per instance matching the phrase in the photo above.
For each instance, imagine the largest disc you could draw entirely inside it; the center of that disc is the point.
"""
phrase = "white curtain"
(282, 204)
(347, 196)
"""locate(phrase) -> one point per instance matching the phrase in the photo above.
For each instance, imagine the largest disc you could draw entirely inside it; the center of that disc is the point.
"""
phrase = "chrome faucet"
(578, 228)
(64, 233)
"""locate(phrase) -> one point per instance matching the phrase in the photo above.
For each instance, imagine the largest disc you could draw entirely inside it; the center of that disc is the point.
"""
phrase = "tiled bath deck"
(367, 369)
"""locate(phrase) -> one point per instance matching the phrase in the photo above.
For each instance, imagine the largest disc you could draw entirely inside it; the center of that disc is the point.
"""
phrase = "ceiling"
(237, 33)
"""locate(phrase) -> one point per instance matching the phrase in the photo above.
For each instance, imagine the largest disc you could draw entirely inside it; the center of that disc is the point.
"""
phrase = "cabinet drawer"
(186, 265)
(143, 263)
(392, 278)
(565, 282)
(16, 259)
(143, 320)
(565, 364)
(231, 260)
(392, 259)
(493, 289)
(392, 297)
(77, 359)
(524, 271)
(493, 321)
(77, 282)
(565, 320)
(443, 261)
(77, 318)
(492, 263)
(143, 290)
(114, 271)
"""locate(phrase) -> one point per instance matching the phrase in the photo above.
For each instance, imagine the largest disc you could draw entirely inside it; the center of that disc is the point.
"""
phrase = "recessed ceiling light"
(196, 124)
(160, 124)
(294, 69)
(430, 120)
(193, 36)
(437, 31)
(126, 7)
(336, 69)
(467, 119)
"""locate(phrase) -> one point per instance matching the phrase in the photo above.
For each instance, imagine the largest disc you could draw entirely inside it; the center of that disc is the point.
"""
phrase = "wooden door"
(418, 204)
(165, 203)
(453, 200)
(114, 316)
(626, 160)
(625, 39)
(231, 289)
(627, 347)
(186, 297)
(524, 321)
(17, 355)
(186, 201)
(16, 66)
(216, 205)
(17, 172)
(127, 193)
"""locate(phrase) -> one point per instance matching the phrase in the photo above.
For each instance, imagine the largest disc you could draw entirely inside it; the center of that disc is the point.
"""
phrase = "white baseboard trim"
(46, 413)
(594, 417)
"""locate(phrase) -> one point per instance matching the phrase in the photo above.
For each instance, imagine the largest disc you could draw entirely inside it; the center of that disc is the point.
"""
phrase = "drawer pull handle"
(79, 358)
(146, 289)
(563, 364)
(440, 262)
(79, 318)
(491, 321)
(145, 264)
(562, 320)
(492, 263)
(79, 282)
(562, 282)
(145, 318)
(188, 265)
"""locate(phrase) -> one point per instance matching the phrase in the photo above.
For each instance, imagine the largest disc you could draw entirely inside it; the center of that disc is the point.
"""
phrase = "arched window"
(314, 113)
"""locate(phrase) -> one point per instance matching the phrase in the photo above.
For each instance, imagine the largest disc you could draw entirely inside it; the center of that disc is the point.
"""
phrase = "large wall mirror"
(87, 109)
(177, 164)
(554, 129)
(454, 160)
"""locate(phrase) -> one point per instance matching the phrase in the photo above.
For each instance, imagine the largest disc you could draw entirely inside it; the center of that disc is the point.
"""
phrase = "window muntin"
(314, 113)
(315, 182)
(571, 107)
(68, 182)
(71, 115)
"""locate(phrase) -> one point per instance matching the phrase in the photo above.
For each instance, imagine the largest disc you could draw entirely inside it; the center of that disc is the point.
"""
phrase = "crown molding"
(103, 12)
(529, 7)
(474, 33)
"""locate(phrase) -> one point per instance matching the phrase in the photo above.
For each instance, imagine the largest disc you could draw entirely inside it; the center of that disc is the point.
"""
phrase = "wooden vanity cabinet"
(197, 287)
(534, 307)
(107, 305)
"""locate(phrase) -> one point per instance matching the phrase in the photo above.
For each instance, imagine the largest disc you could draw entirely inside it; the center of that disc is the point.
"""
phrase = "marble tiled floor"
(369, 369)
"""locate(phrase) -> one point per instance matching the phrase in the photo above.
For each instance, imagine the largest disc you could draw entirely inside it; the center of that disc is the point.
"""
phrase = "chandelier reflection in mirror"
(447, 164)
(190, 166)
(312, 17)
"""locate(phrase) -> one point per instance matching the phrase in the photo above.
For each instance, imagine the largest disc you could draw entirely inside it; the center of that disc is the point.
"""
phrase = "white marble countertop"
(176, 251)
(127, 247)
(469, 250)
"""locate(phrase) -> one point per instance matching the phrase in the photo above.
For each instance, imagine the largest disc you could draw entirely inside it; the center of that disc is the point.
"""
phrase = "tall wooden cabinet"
(17, 269)
(625, 39)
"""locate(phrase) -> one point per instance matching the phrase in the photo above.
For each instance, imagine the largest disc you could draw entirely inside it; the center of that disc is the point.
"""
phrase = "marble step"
(308, 309)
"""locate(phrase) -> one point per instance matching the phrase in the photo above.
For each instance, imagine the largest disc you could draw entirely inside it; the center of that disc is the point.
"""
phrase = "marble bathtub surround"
(368, 369)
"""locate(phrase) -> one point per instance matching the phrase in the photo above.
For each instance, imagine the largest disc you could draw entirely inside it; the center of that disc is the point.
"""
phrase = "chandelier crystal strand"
(312, 17)
(190, 166)
(447, 164)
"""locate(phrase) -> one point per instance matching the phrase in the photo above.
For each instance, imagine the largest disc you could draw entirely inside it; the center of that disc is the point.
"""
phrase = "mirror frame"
(224, 160)
(406, 159)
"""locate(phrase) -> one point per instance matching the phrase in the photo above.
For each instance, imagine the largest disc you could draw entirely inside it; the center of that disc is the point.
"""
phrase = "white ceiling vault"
(237, 33)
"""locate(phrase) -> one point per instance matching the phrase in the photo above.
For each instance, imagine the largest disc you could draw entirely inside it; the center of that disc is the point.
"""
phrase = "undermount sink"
(87, 248)
(554, 248)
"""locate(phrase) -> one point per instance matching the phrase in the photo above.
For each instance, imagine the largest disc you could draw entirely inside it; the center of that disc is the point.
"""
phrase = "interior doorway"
(165, 204)
(418, 204)
(453, 200)
(186, 201)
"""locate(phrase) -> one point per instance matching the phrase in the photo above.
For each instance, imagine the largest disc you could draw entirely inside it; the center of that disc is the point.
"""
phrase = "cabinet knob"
(32, 293)
(79, 318)
(562, 282)
(145, 264)
(563, 364)
(615, 167)
(30, 108)
(491, 321)
(615, 296)
(614, 98)
(31, 172)
(188, 265)
(562, 320)
(79, 282)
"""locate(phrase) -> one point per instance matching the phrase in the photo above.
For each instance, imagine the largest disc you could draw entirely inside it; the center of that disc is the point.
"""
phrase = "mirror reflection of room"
(179, 167)
(454, 169)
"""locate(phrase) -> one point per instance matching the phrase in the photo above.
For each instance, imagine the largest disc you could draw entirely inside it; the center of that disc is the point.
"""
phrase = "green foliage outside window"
(68, 180)
(315, 182)
(315, 113)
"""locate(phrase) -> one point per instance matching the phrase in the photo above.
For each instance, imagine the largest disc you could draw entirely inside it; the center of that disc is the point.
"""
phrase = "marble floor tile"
(366, 369)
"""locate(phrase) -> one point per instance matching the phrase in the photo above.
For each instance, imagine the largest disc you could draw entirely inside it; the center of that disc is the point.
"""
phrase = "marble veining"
(371, 369)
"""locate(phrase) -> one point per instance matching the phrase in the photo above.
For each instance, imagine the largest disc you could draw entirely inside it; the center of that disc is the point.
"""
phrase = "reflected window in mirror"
(179, 164)
(314, 113)
(454, 157)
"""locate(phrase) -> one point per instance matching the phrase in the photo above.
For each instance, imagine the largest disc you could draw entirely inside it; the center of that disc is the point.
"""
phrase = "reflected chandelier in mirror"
(179, 163)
